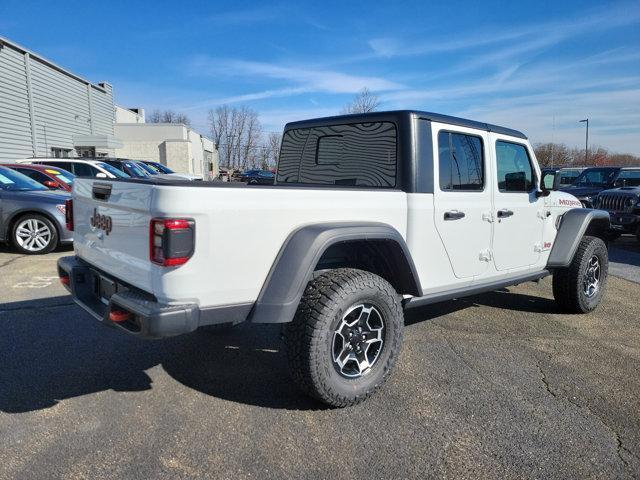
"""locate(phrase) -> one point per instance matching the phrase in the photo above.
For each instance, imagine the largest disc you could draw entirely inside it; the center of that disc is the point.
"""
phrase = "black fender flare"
(574, 225)
(294, 265)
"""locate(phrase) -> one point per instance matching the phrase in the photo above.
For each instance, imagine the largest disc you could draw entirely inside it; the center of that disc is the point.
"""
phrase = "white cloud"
(309, 78)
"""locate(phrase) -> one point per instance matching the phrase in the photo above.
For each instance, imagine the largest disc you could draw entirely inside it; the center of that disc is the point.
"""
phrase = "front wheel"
(345, 337)
(579, 288)
(34, 234)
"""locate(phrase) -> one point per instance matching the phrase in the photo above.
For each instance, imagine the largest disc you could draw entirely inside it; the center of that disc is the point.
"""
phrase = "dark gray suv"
(32, 217)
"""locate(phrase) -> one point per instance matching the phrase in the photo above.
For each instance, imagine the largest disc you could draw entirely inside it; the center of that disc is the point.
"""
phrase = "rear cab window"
(356, 154)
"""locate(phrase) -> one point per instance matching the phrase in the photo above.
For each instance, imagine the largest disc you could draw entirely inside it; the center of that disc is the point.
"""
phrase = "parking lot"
(499, 385)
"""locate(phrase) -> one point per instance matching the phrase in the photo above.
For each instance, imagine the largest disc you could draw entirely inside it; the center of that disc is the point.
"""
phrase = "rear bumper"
(149, 318)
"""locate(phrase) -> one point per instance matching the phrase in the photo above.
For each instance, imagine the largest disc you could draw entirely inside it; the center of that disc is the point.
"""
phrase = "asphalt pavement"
(495, 386)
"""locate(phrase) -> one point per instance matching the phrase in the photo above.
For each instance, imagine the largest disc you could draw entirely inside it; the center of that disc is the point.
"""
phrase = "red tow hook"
(65, 280)
(119, 316)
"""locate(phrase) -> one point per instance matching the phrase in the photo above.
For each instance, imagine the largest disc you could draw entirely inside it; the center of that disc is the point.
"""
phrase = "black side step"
(473, 289)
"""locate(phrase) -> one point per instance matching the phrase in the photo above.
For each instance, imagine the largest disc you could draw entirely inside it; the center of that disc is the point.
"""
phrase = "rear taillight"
(68, 214)
(171, 241)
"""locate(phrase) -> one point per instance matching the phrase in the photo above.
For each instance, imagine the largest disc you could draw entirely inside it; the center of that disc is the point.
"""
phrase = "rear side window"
(628, 178)
(66, 165)
(567, 178)
(36, 175)
(515, 173)
(461, 162)
(358, 154)
(84, 170)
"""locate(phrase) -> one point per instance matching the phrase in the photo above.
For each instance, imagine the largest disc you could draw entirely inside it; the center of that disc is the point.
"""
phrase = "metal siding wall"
(61, 104)
(103, 111)
(15, 123)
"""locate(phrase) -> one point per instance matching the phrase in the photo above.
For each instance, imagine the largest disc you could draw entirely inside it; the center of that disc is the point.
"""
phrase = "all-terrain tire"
(569, 283)
(309, 338)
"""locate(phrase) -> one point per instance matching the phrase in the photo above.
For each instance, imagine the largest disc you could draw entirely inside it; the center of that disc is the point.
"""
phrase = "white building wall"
(173, 145)
(125, 115)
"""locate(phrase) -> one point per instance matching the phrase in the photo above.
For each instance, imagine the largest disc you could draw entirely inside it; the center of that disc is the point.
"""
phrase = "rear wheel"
(345, 337)
(579, 287)
(34, 234)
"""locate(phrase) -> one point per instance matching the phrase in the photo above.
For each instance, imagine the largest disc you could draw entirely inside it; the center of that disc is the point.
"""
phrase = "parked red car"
(53, 178)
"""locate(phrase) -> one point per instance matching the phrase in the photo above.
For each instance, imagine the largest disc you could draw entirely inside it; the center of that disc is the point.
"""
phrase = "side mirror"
(50, 184)
(101, 175)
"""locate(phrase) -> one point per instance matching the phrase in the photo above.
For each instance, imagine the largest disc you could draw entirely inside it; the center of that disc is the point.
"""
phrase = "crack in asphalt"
(9, 262)
(619, 445)
(464, 360)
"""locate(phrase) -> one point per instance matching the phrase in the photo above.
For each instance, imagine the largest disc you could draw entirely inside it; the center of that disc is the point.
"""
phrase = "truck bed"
(239, 230)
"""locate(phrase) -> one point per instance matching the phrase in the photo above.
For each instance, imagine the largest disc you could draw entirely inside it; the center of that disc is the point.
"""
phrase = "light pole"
(586, 142)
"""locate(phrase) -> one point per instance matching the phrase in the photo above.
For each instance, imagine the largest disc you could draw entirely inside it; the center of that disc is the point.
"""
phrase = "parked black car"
(555, 178)
(258, 177)
(591, 182)
(623, 203)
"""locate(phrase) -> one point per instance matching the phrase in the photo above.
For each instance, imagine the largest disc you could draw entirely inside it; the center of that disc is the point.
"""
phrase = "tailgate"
(111, 228)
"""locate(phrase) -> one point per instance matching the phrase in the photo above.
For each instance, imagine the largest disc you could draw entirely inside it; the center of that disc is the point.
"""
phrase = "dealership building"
(47, 111)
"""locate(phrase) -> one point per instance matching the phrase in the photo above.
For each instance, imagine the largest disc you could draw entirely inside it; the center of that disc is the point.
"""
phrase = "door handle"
(504, 213)
(453, 215)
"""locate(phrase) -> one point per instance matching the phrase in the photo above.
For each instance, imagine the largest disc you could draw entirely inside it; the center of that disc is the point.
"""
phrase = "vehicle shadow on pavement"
(51, 350)
(503, 299)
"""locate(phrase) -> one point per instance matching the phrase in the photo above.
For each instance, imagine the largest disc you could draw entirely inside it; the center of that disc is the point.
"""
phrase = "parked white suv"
(370, 215)
(79, 166)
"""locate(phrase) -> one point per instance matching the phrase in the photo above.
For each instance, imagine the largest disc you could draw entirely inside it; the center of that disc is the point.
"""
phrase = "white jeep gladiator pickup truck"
(370, 215)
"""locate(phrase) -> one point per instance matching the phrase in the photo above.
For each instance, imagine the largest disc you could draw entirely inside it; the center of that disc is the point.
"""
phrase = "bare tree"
(155, 116)
(238, 134)
(363, 102)
(168, 116)
(274, 141)
(553, 154)
(559, 155)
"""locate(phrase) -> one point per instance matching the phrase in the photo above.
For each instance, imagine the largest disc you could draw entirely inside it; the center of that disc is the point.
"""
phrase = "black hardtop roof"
(402, 115)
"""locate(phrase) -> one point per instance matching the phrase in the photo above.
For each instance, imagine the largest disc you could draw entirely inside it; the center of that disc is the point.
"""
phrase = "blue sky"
(538, 67)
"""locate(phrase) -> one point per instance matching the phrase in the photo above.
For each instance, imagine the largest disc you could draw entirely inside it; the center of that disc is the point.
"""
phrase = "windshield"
(135, 170)
(113, 170)
(16, 181)
(598, 177)
(160, 168)
(62, 175)
(147, 168)
(567, 177)
(628, 178)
